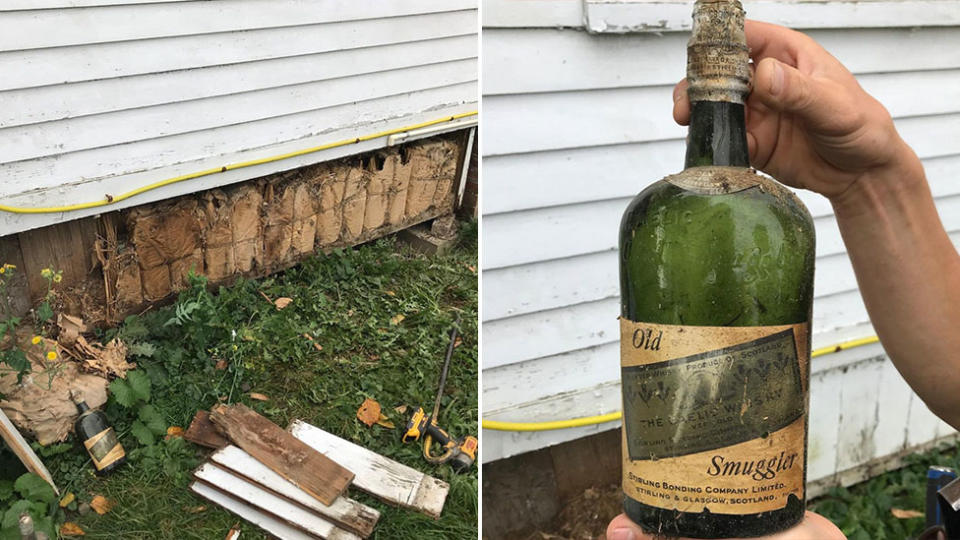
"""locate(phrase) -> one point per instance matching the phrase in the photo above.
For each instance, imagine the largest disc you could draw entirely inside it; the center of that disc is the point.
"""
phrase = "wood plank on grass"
(285, 455)
(203, 432)
(379, 476)
(20, 447)
(254, 495)
(347, 513)
(272, 525)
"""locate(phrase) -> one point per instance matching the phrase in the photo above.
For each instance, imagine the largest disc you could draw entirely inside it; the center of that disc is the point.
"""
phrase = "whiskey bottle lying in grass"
(98, 437)
(716, 273)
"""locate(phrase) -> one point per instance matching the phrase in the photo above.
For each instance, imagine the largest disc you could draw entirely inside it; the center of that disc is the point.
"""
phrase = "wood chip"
(174, 431)
(905, 514)
(397, 319)
(287, 456)
(345, 512)
(101, 504)
(379, 476)
(203, 432)
(67, 499)
(221, 364)
(369, 412)
(258, 396)
(282, 302)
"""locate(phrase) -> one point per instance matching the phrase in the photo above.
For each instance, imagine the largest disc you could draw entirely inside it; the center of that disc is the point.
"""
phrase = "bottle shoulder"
(744, 195)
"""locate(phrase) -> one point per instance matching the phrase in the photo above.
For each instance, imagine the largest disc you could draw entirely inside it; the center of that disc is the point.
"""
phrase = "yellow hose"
(113, 199)
(604, 418)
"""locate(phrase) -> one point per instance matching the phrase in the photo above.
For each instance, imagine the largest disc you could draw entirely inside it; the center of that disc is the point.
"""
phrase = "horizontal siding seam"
(253, 91)
(438, 106)
(228, 64)
(232, 31)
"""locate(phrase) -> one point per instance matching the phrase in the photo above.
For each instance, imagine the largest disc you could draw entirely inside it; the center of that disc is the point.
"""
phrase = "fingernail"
(776, 81)
(622, 534)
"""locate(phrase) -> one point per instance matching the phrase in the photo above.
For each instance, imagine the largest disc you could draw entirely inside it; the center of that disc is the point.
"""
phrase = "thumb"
(784, 88)
(621, 528)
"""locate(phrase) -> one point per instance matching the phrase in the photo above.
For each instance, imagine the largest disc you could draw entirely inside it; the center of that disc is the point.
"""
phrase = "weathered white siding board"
(56, 102)
(23, 30)
(97, 131)
(39, 67)
(267, 522)
(577, 124)
(100, 97)
(816, 14)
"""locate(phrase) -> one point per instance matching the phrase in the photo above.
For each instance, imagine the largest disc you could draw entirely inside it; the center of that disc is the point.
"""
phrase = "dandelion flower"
(3, 269)
(58, 278)
(46, 273)
(36, 340)
(52, 355)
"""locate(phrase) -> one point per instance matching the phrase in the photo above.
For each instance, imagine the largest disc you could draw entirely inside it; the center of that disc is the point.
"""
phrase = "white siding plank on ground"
(75, 134)
(23, 30)
(39, 67)
(78, 167)
(56, 102)
(550, 60)
(154, 161)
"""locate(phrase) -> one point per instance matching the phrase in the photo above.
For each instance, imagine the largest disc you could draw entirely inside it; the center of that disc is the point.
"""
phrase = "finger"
(823, 105)
(621, 528)
(681, 103)
(767, 40)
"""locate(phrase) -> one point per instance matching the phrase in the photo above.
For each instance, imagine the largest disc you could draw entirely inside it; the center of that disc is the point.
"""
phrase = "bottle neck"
(82, 406)
(717, 135)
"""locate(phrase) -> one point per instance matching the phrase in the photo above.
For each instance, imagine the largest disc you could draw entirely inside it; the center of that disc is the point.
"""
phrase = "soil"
(585, 517)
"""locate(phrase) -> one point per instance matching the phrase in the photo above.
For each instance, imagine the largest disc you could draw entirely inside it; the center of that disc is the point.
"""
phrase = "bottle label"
(104, 448)
(714, 417)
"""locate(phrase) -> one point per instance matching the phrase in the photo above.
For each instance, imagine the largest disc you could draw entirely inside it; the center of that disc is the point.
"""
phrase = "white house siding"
(103, 96)
(575, 124)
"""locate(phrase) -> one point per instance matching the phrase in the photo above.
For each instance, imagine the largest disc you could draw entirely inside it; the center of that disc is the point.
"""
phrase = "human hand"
(809, 123)
(812, 527)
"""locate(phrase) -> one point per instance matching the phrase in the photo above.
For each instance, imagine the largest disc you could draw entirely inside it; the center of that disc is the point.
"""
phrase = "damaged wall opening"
(121, 262)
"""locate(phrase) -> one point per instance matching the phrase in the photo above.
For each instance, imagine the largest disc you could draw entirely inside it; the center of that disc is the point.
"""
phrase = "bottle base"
(673, 523)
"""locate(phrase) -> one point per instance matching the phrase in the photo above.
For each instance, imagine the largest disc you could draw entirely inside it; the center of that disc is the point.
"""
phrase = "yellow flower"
(58, 278)
(3, 269)
(52, 355)
(46, 273)
(36, 340)
(9, 266)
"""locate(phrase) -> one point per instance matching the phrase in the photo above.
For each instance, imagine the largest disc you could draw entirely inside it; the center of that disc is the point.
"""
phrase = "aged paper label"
(714, 417)
(104, 448)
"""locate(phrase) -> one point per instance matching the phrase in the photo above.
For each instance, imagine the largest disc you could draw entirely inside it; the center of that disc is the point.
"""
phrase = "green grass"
(863, 512)
(348, 301)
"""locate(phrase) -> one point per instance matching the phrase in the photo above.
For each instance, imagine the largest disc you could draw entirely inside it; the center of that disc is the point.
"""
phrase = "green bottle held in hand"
(716, 274)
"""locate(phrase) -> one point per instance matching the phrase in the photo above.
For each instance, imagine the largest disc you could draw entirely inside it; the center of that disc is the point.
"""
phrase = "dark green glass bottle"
(716, 273)
(98, 437)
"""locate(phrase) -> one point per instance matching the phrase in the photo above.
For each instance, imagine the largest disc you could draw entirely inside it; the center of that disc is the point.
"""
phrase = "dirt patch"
(585, 517)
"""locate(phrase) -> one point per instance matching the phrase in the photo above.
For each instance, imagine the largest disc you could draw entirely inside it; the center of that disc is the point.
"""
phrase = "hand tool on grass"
(460, 453)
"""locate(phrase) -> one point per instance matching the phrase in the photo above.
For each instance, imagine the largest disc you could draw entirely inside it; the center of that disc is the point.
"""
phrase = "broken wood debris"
(377, 475)
(203, 432)
(289, 457)
(22, 449)
(253, 495)
(346, 513)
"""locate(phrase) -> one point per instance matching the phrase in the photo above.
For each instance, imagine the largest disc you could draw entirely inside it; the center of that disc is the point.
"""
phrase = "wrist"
(894, 184)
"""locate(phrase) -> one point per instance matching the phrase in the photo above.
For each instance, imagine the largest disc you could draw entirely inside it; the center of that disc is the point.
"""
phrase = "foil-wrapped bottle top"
(718, 60)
